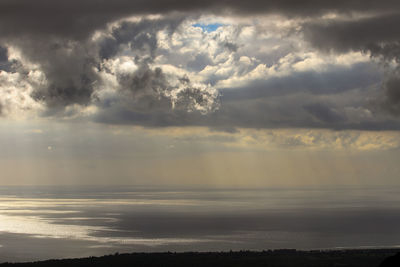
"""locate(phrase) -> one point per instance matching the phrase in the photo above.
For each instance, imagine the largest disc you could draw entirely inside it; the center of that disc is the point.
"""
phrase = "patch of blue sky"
(208, 27)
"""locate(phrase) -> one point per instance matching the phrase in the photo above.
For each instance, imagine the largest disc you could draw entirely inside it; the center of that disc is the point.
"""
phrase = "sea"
(48, 222)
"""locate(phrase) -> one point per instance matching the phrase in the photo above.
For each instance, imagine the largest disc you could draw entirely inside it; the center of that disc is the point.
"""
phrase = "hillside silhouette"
(270, 258)
(392, 261)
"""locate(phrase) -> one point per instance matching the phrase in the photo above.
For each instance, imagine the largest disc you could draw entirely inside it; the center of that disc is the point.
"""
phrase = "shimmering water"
(59, 222)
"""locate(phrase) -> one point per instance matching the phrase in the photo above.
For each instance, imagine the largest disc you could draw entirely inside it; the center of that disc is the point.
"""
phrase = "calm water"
(53, 222)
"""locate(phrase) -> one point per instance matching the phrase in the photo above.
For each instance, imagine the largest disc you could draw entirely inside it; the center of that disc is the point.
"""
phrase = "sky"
(200, 93)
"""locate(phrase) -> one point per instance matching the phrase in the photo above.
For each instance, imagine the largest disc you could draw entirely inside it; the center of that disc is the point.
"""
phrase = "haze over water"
(198, 101)
(60, 222)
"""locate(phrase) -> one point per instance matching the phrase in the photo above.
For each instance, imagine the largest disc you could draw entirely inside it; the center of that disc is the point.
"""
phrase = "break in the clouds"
(219, 64)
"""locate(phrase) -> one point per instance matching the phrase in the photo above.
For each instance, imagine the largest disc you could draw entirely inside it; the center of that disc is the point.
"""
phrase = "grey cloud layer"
(378, 36)
(58, 37)
(4, 63)
(77, 19)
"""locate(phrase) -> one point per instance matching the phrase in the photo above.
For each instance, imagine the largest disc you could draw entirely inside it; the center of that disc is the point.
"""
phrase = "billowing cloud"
(72, 70)
(308, 65)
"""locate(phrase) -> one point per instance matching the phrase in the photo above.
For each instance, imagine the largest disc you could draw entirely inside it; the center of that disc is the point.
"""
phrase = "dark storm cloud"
(323, 113)
(5, 64)
(367, 34)
(302, 100)
(71, 67)
(3, 54)
(378, 36)
(256, 113)
(392, 89)
(291, 111)
(336, 80)
(68, 67)
(76, 19)
(56, 35)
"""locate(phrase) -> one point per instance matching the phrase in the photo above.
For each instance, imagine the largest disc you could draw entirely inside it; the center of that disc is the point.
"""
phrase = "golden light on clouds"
(303, 139)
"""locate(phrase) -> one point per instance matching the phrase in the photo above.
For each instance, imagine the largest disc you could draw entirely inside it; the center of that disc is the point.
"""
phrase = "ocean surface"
(39, 223)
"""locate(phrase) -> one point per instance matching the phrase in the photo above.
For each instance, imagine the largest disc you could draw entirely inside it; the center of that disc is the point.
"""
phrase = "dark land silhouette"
(270, 258)
(392, 261)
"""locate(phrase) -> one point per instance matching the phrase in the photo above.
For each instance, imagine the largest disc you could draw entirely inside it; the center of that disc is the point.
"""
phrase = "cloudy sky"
(221, 93)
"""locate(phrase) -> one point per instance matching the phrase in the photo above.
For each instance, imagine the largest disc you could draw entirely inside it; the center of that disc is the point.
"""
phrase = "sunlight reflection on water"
(101, 220)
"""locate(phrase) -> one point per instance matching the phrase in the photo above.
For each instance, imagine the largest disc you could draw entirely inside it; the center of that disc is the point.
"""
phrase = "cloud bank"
(271, 64)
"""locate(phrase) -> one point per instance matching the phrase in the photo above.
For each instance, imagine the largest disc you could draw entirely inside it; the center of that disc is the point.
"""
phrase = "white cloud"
(237, 54)
(15, 94)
